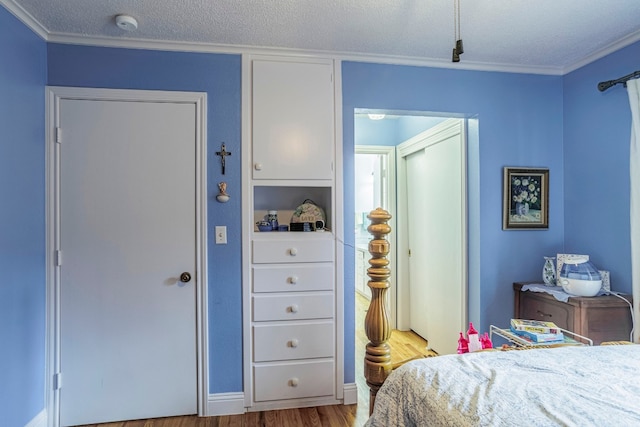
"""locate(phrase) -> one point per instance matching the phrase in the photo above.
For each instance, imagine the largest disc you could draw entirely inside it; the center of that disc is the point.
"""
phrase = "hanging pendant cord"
(456, 17)
(458, 36)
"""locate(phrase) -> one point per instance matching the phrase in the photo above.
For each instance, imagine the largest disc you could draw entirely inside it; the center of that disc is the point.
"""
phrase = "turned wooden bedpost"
(377, 359)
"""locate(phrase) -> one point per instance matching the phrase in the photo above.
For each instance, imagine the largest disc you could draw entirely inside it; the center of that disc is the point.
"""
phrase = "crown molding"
(26, 18)
(178, 46)
(617, 45)
(150, 44)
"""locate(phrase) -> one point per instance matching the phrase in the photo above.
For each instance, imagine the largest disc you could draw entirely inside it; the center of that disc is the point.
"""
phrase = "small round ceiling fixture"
(126, 22)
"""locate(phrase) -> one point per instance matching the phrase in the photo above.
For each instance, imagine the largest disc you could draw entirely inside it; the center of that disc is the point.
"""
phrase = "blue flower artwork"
(525, 198)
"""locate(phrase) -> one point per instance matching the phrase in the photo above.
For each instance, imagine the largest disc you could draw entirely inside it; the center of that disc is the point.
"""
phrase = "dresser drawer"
(536, 308)
(284, 251)
(292, 307)
(292, 341)
(293, 380)
(293, 277)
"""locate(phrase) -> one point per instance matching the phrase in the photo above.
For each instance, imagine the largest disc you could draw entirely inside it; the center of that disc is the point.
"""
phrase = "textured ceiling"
(551, 36)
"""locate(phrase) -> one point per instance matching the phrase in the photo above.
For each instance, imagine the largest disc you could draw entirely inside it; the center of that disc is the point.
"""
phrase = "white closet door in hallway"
(127, 233)
(436, 214)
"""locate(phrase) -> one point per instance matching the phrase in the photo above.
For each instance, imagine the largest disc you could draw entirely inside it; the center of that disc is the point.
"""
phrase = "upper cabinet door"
(293, 119)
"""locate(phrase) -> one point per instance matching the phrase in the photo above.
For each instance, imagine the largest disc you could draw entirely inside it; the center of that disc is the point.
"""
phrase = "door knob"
(185, 277)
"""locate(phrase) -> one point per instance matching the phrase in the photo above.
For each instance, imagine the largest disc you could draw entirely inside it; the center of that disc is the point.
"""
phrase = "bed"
(569, 386)
(566, 385)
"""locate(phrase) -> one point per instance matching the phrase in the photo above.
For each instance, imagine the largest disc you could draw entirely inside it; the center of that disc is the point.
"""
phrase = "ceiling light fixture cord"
(456, 19)
(457, 47)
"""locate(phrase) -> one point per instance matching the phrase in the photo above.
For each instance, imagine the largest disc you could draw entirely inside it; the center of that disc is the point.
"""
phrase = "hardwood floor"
(404, 346)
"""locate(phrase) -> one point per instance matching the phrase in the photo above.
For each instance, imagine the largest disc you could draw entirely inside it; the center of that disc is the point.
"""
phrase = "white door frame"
(390, 152)
(53, 97)
(438, 133)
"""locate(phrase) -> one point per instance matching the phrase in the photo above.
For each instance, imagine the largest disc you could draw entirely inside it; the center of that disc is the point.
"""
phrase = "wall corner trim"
(225, 404)
(350, 394)
(39, 420)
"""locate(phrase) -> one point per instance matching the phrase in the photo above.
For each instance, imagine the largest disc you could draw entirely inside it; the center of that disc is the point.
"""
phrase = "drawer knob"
(293, 280)
(293, 382)
(293, 343)
(258, 166)
(293, 308)
(293, 252)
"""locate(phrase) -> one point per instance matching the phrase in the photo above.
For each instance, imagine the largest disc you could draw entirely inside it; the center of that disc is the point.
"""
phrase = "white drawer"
(293, 380)
(292, 341)
(313, 277)
(300, 250)
(292, 306)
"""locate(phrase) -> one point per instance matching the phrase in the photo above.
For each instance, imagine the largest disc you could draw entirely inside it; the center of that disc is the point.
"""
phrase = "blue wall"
(514, 135)
(391, 131)
(596, 157)
(519, 120)
(22, 221)
(374, 132)
(219, 76)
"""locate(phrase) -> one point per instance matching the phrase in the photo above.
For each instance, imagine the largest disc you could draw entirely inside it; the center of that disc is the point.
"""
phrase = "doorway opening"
(395, 137)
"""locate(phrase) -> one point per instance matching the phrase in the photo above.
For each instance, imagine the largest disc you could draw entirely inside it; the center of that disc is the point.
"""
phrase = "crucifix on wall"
(223, 153)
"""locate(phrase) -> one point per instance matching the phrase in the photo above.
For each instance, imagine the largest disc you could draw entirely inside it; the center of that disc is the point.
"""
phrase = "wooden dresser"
(604, 318)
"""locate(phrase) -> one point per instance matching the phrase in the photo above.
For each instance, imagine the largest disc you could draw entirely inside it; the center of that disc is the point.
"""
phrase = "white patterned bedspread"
(565, 386)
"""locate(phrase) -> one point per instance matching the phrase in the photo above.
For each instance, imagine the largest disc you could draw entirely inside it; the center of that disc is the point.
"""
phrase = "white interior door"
(127, 230)
(437, 239)
(418, 266)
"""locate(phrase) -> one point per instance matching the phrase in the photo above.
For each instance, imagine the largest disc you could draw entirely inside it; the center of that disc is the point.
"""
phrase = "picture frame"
(525, 194)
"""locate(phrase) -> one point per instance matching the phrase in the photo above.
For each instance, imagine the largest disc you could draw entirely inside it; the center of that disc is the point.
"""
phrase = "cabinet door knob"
(293, 308)
(258, 166)
(293, 382)
(293, 280)
(293, 343)
(293, 251)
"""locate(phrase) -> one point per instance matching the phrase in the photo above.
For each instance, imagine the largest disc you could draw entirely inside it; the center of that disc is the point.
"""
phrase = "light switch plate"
(221, 234)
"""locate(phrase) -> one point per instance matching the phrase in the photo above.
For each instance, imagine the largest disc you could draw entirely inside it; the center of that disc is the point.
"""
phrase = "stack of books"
(537, 331)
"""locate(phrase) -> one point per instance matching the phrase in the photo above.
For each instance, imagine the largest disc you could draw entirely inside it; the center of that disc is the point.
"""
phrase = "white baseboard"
(225, 404)
(39, 420)
(218, 404)
(350, 394)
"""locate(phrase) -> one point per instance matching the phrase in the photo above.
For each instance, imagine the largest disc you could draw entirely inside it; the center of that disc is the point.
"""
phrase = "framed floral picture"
(525, 194)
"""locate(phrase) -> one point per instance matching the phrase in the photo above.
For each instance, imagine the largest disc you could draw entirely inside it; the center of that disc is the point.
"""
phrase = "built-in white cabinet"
(292, 288)
(292, 119)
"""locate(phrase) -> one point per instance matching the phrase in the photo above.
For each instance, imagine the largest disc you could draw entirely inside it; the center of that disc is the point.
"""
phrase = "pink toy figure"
(474, 339)
(463, 345)
(486, 341)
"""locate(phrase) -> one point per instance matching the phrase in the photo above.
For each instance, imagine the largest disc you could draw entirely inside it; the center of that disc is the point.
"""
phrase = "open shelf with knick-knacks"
(285, 200)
